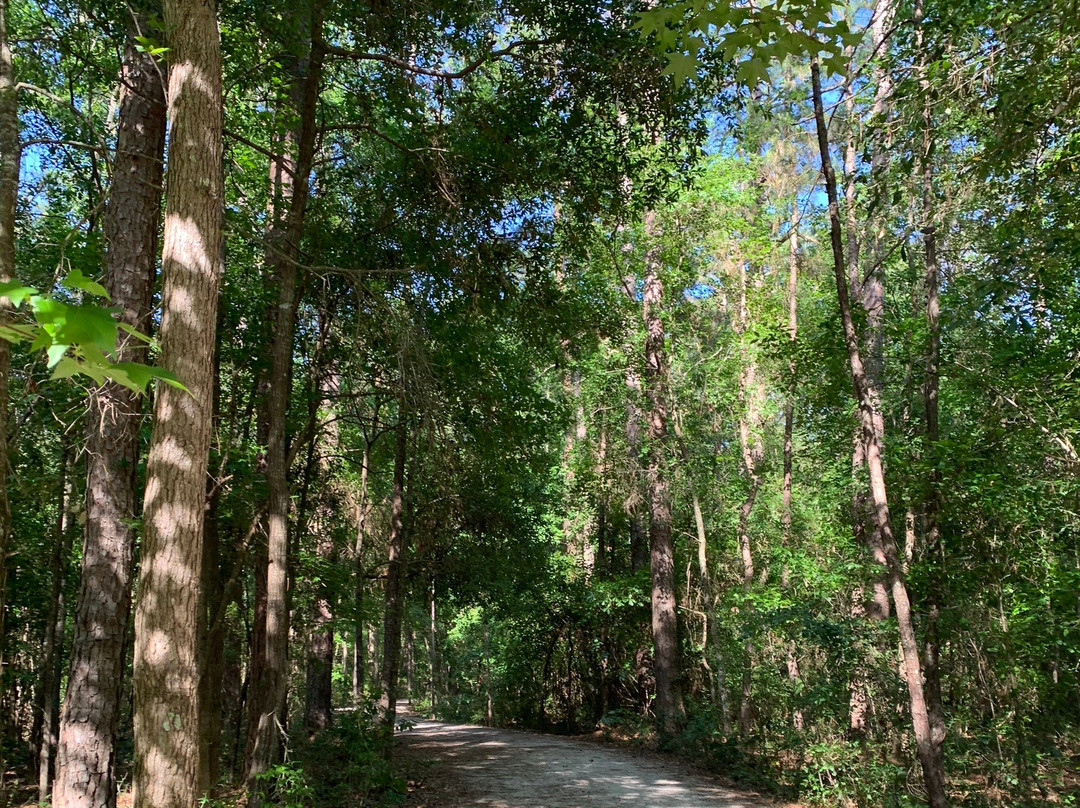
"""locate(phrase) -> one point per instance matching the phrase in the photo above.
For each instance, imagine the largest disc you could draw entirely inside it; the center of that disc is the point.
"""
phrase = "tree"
(166, 673)
(88, 729)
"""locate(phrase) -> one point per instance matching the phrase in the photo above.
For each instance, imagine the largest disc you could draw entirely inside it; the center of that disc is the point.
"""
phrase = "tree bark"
(283, 244)
(639, 549)
(320, 658)
(10, 158)
(362, 510)
(933, 771)
(167, 616)
(932, 504)
(54, 637)
(752, 454)
(789, 429)
(395, 590)
(86, 752)
(669, 709)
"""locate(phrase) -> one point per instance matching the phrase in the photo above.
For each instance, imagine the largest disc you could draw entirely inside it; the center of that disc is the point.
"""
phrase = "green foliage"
(754, 35)
(77, 337)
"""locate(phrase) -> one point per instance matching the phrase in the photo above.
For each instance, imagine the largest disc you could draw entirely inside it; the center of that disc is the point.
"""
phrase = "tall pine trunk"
(789, 431)
(87, 747)
(669, 709)
(283, 246)
(360, 573)
(49, 697)
(752, 455)
(932, 504)
(933, 769)
(166, 681)
(395, 588)
(10, 158)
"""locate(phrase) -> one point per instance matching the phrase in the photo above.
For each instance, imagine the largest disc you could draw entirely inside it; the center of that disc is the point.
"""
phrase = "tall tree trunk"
(433, 639)
(360, 583)
(870, 292)
(789, 429)
(212, 661)
(167, 616)
(639, 548)
(752, 454)
(933, 770)
(395, 588)
(54, 637)
(86, 752)
(669, 709)
(10, 158)
(318, 701)
(320, 657)
(283, 244)
(932, 505)
(169, 612)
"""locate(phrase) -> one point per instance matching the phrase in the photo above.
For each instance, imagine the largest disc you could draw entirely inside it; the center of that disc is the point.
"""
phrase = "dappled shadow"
(513, 769)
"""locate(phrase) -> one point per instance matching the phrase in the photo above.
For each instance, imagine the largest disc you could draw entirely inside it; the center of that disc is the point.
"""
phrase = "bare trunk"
(933, 770)
(318, 700)
(167, 616)
(789, 429)
(639, 549)
(395, 589)
(10, 158)
(283, 244)
(434, 655)
(54, 638)
(320, 663)
(359, 586)
(213, 646)
(752, 453)
(86, 751)
(932, 505)
(669, 709)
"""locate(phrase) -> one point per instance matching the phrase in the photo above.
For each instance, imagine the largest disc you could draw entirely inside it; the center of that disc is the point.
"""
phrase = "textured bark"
(362, 510)
(167, 616)
(395, 589)
(750, 444)
(49, 697)
(932, 504)
(668, 707)
(433, 641)
(639, 548)
(283, 243)
(870, 292)
(789, 429)
(213, 625)
(320, 656)
(933, 770)
(212, 655)
(10, 157)
(86, 752)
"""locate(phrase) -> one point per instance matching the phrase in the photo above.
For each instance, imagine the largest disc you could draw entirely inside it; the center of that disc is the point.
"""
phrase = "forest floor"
(457, 766)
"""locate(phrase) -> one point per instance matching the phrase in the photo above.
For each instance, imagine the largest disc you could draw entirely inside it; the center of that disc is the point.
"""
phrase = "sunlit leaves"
(77, 337)
(752, 35)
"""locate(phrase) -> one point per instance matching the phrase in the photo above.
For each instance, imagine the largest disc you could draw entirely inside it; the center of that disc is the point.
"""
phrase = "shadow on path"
(511, 769)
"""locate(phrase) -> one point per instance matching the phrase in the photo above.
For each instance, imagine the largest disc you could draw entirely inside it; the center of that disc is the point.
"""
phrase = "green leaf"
(17, 333)
(15, 292)
(66, 368)
(56, 352)
(76, 280)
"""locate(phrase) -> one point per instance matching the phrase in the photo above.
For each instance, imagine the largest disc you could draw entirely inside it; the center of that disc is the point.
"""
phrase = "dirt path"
(477, 766)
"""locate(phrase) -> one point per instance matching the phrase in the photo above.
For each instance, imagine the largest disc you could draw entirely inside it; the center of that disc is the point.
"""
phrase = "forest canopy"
(697, 374)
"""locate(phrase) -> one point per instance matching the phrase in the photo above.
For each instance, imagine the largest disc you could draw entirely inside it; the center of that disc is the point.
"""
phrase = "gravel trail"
(495, 768)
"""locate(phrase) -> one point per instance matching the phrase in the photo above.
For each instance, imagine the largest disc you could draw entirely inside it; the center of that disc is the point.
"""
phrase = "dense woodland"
(702, 375)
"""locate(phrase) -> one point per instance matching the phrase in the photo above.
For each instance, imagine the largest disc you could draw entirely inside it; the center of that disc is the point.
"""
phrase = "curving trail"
(494, 768)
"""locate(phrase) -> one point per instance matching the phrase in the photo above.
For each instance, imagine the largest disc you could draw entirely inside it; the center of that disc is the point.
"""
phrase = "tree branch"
(472, 67)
